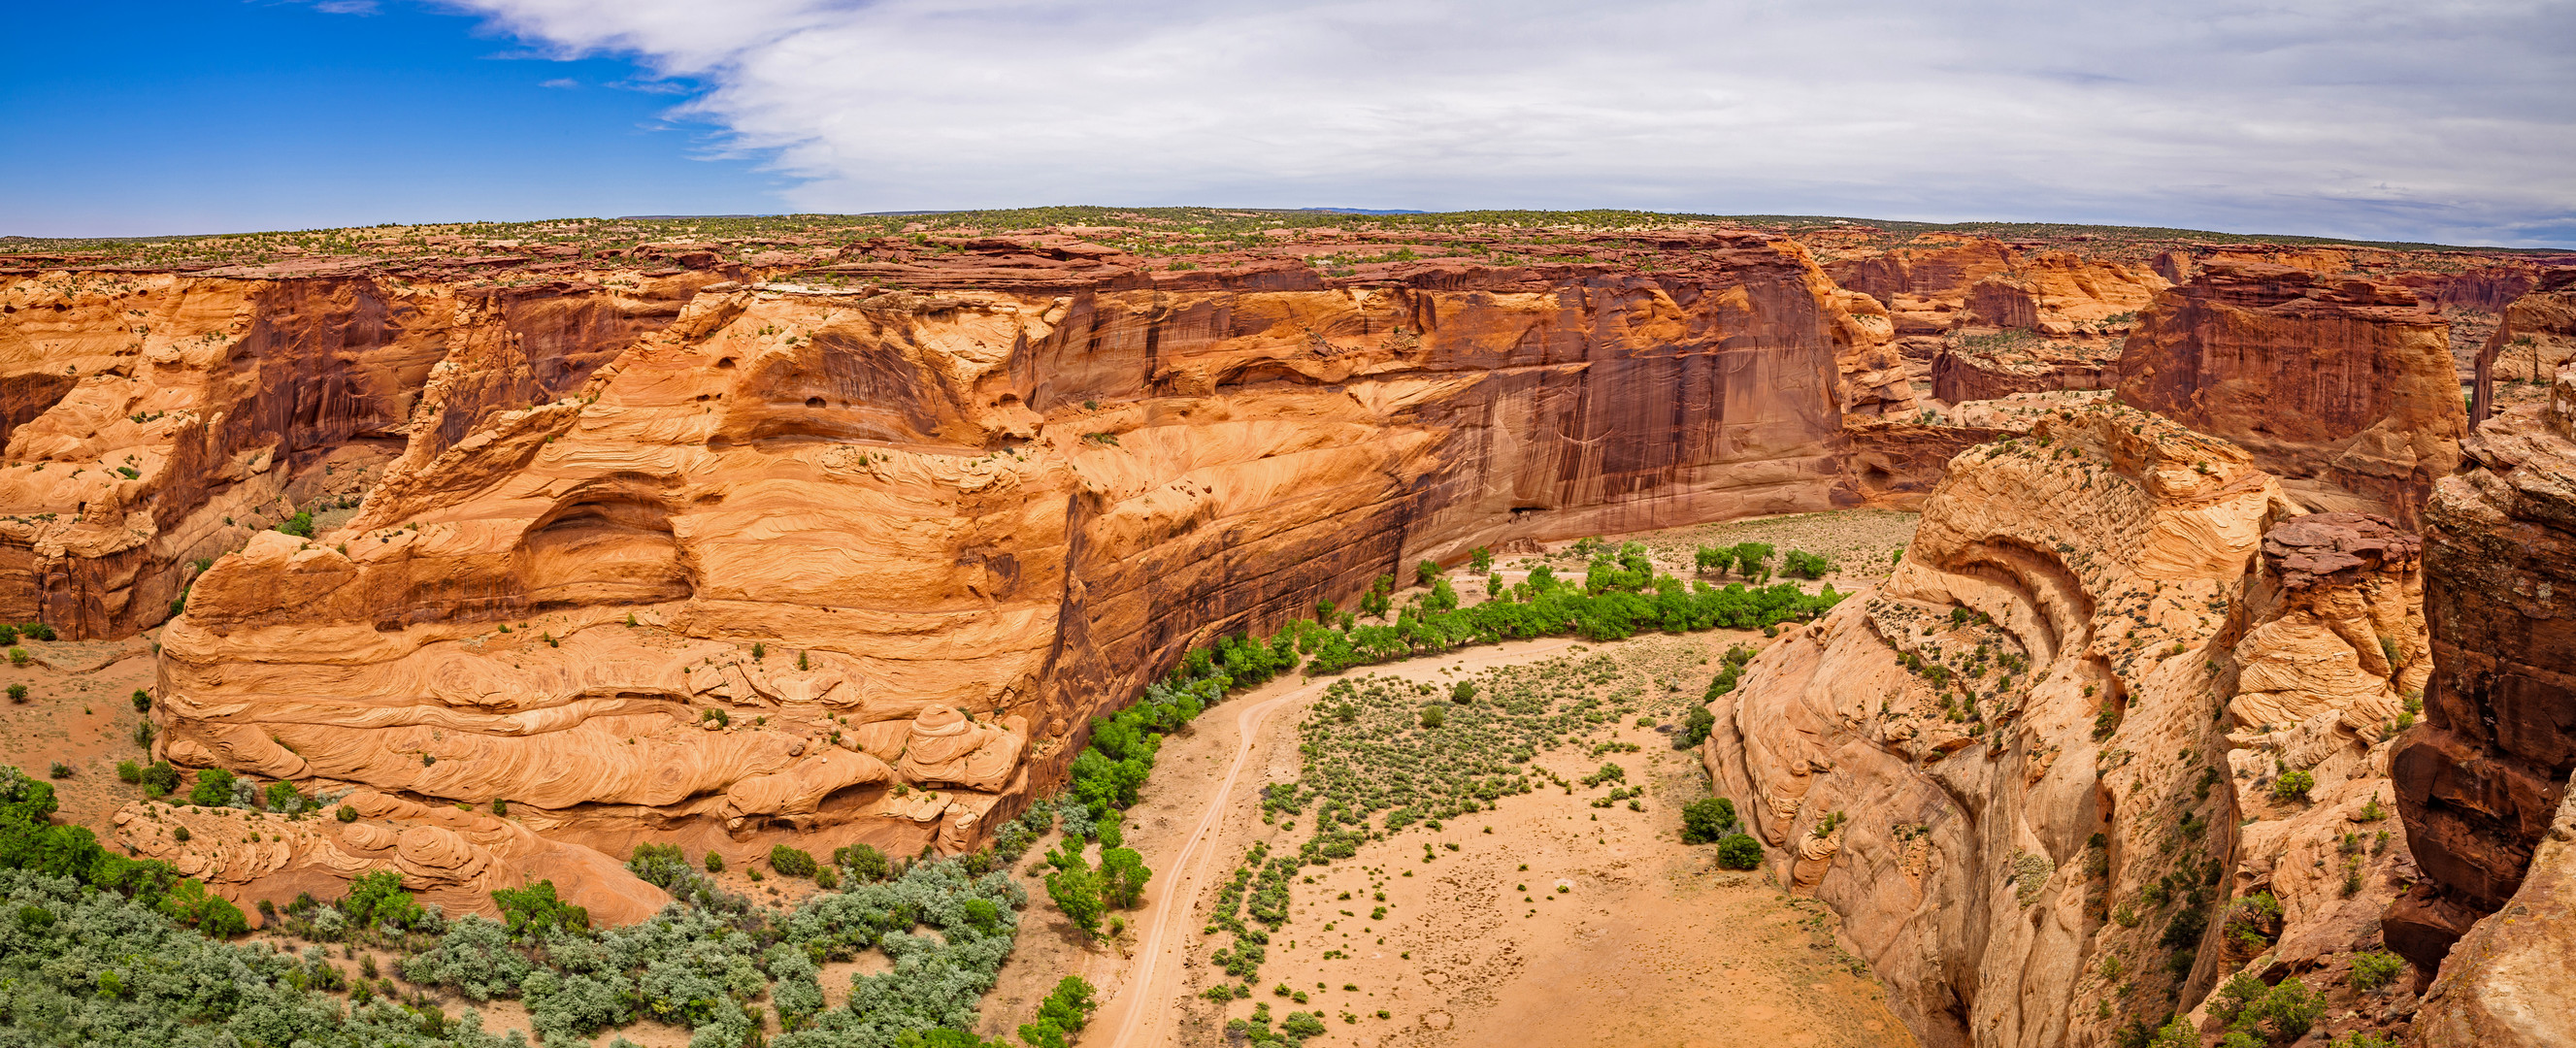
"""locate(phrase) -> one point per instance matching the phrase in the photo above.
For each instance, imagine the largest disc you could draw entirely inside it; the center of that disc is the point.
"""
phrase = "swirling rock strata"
(153, 420)
(860, 565)
(448, 858)
(2012, 747)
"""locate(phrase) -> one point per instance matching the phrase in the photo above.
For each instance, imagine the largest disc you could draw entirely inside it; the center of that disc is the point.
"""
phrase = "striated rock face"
(2537, 335)
(1974, 764)
(2480, 780)
(2343, 387)
(860, 565)
(155, 420)
(451, 859)
(2002, 768)
(1939, 284)
(1960, 375)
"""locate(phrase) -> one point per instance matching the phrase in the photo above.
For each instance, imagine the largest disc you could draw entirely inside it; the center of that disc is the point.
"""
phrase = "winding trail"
(1142, 1012)
(1144, 1016)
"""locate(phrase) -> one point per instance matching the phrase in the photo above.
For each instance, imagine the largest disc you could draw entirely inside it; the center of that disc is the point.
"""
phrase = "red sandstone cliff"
(839, 517)
(2342, 387)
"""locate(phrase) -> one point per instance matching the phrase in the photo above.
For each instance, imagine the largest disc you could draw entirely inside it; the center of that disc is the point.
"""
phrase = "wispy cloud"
(2369, 118)
(346, 7)
(561, 83)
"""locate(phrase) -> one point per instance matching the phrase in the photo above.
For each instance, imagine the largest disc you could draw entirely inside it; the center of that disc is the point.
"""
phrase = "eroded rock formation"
(154, 420)
(2003, 767)
(2343, 387)
(2536, 336)
(858, 565)
(2480, 781)
(451, 859)
(1940, 283)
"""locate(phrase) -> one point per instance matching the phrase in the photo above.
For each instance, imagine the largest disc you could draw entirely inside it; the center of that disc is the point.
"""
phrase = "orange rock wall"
(2344, 383)
(841, 517)
(233, 403)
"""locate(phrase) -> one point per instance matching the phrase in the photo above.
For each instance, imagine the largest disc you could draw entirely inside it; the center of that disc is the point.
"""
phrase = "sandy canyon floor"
(1649, 943)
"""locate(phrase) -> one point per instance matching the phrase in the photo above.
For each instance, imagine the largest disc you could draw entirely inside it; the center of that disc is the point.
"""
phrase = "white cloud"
(2418, 120)
(346, 7)
(564, 83)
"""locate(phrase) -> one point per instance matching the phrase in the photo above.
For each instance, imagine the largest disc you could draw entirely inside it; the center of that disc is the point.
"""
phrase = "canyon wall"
(2343, 387)
(2537, 334)
(156, 420)
(2481, 782)
(858, 565)
(2004, 767)
(1942, 283)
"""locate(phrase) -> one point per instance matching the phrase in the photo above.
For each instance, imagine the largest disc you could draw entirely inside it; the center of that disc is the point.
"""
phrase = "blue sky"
(2436, 120)
(220, 115)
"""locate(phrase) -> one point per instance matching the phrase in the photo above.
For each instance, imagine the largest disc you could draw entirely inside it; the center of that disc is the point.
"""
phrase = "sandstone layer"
(2342, 387)
(2508, 983)
(2536, 336)
(1940, 283)
(859, 565)
(448, 858)
(2001, 767)
(156, 420)
(2481, 779)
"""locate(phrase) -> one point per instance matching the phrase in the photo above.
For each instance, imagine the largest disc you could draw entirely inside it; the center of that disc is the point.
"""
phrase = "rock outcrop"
(2480, 781)
(1937, 284)
(1963, 373)
(2537, 335)
(2511, 982)
(859, 565)
(155, 420)
(2004, 766)
(2342, 387)
(448, 858)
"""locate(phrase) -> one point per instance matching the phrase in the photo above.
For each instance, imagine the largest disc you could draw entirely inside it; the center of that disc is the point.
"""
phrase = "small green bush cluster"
(2280, 1014)
(1061, 1015)
(1709, 820)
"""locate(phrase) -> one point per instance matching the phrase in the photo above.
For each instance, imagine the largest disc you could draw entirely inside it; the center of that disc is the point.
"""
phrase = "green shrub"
(1709, 820)
(1696, 726)
(159, 778)
(791, 862)
(300, 525)
(282, 796)
(864, 862)
(534, 909)
(1805, 565)
(347, 814)
(1063, 1014)
(142, 701)
(1076, 892)
(2293, 785)
(1122, 876)
(1463, 691)
(17, 693)
(129, 772)
(715, 863)
(214, 788)
(1739, 852)
(1434, 716)
(1479, 560)
(2287, 1013)
(2375, 969)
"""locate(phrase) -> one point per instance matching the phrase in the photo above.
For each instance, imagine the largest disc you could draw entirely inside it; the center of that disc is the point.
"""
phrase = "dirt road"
(1141, 1015)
